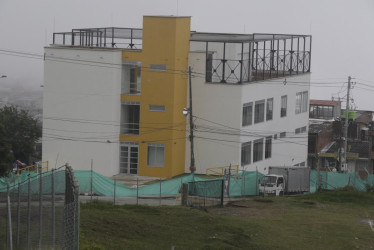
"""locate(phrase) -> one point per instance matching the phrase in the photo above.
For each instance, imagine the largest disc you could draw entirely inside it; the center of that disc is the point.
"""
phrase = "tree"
(18, 135)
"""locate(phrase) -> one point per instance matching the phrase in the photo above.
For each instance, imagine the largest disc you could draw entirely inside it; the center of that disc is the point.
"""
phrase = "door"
(129, 159)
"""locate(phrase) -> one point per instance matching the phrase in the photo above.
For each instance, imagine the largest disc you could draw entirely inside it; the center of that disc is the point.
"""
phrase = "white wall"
(81, 108)
(222, 104)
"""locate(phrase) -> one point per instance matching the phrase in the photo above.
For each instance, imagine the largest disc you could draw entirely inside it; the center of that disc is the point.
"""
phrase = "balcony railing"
(101, 37)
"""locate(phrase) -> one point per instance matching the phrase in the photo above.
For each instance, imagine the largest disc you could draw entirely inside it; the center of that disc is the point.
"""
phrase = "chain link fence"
(40, 211)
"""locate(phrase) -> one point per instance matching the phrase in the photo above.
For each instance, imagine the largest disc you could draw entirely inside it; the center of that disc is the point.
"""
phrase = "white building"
(250, 97)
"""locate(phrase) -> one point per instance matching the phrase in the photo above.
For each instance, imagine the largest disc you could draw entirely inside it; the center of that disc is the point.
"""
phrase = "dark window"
(259, 111)
(284, 106)
(269, 109)
(275, 136)
(303, 129)
(246, 153)
(297, 131)
(258, 150)
(282, 135)
(130, 115)
(247, 114)
(268, 147)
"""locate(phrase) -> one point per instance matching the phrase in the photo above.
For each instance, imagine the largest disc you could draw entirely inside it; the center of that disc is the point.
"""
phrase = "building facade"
(114, 98)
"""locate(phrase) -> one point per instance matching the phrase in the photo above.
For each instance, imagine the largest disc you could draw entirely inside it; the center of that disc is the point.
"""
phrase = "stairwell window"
(247, 114)
(259, 111)
(131, 77)
(246, 153)
(156, 154)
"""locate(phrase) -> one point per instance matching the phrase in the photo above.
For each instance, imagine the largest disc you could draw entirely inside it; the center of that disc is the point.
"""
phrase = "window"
(130, 115)
(284, 106)
(303, 129)
(259, 111)
(258, 150)
(160, 108)
(268, 147)
(282, 135)
(131, 77)
(156, 154)
(247, 114)
(269, 109)
(275, 136)
(297, 131)
(246, 153)
(158, 67)
(301, 102)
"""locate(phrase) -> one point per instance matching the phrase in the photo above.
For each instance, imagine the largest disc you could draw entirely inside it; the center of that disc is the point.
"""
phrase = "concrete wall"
(218, 111)
(81, 108)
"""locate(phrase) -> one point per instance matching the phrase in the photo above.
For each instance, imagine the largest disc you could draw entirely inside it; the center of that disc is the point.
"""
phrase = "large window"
(246, 153)
(259, 111)
(269, 109)
(301, 102)
(130, 115)
(131, 77)
(258, 146)
(156, 154)
(247, 114)
(268, 147)
(284, 106)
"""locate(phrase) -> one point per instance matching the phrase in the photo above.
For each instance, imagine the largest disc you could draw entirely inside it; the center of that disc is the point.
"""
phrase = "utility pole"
(192, 161)
(346, 122)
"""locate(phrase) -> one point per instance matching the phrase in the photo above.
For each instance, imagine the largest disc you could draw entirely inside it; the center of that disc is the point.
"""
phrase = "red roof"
(324, 102)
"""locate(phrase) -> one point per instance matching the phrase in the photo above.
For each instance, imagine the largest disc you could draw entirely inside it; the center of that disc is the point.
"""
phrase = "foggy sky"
(342, 30)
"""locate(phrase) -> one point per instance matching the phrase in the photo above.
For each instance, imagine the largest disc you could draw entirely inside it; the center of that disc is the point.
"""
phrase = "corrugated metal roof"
(324, 102)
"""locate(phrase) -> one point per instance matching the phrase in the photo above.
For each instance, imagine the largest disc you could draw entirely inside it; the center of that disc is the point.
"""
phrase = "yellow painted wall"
(165, 41)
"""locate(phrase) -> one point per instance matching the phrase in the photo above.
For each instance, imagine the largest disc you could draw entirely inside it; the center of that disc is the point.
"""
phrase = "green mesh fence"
(333, 180)
(244, 183)
(207, 188)
(241, 184)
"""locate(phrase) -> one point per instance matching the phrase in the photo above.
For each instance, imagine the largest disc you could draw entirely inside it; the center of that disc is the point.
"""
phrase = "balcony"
(124, 38)
(239, 58)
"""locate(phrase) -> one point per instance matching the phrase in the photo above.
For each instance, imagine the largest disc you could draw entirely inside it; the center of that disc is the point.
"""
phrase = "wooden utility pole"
(192, 160)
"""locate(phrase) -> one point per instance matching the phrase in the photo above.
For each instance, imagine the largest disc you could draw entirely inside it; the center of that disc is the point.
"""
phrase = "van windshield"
(269, 180)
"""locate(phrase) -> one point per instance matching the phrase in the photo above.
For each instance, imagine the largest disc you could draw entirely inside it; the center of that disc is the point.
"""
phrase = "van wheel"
(281, 193)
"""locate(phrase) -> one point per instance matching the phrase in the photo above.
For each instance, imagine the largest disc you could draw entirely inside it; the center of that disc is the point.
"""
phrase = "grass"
(327, 220)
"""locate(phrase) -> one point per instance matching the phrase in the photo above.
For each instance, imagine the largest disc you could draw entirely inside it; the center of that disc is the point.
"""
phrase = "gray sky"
(342, 30)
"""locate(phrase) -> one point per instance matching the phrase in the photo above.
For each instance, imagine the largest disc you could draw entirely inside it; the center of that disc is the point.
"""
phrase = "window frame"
(268, 147)
(247, 119)
(246, 153)
(259, 116)
(283, 111)
(156, 146)
(269, 112)
(258, 150)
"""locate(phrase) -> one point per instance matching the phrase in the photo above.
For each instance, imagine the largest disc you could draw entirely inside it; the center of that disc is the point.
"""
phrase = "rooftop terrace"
(230, 58)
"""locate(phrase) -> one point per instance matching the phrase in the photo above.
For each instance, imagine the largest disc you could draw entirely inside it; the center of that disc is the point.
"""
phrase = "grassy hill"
(328, 220)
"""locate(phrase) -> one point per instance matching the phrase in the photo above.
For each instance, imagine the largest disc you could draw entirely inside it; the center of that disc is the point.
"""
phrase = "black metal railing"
(101, 37)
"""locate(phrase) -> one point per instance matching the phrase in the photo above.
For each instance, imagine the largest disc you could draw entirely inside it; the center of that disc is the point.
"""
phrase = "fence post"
(28, 211)
(160, 192)
(137, 190)
(243, 182)
(77, 213)
(53, 211)
(114, 193)
(222, 191)
(91, 178)
(18, 212)
(184, 194)
(9, 220)
(256, 182)
(40, 208)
